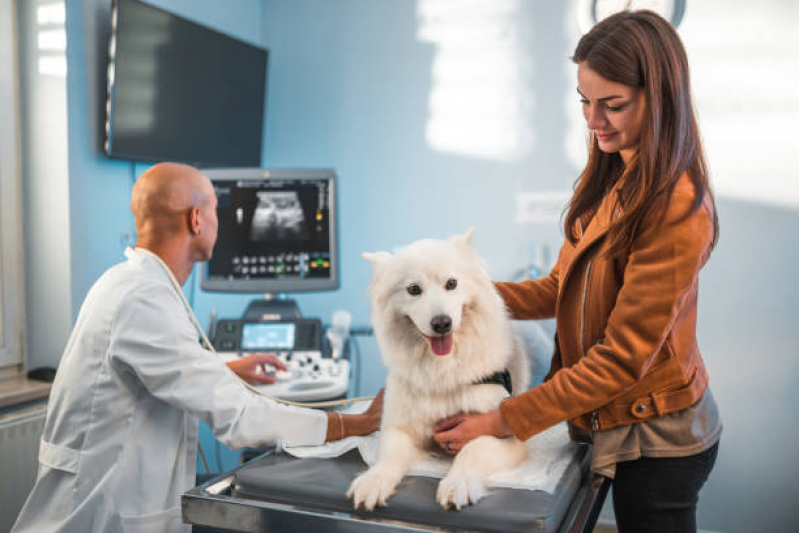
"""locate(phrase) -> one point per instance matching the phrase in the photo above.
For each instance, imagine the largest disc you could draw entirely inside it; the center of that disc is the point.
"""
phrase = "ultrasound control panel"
(297, 342)
(252, 335)
(302, 264)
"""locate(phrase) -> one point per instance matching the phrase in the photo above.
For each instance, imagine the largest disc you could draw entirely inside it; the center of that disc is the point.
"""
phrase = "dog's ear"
(466, 238)
(376, 258)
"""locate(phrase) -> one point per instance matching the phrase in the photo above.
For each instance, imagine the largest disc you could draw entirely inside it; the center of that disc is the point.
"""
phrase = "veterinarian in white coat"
(120, 440)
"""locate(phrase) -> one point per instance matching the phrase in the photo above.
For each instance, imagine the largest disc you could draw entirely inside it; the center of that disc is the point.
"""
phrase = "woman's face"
(613, 111)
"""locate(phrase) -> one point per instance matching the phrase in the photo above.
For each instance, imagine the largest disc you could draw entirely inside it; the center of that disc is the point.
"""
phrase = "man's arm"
(153, 339)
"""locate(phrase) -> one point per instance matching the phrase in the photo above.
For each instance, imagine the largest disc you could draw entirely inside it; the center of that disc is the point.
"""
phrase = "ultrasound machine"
(277, 235)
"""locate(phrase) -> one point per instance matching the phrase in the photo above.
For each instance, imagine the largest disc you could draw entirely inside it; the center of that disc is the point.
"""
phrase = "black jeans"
(660, 494)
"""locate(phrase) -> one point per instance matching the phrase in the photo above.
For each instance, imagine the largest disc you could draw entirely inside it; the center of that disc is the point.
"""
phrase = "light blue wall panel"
(357, 84)
(350, 85)
(101, 224)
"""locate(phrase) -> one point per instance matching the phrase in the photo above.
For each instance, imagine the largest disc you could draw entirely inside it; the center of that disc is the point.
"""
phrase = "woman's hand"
(252, 368)
(340, 425)
(453, 433)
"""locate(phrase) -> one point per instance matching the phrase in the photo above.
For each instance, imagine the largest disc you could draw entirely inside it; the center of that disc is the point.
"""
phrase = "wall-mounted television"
(180, 91)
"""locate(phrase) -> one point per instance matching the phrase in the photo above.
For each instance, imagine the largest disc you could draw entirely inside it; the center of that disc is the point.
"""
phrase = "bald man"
(120, 440)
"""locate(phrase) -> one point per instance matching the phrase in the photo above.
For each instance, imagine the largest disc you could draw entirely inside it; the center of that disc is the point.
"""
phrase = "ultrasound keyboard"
(310, 377)
(297, 342)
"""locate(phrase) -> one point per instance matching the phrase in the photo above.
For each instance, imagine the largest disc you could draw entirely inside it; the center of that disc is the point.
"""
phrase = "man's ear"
(194, 220)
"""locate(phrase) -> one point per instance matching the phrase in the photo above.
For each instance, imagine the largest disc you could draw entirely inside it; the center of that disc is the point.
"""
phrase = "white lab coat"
(120, 440)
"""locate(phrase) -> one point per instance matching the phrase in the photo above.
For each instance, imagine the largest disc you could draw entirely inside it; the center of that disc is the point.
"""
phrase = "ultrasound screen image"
(272, 229)
(278, 216)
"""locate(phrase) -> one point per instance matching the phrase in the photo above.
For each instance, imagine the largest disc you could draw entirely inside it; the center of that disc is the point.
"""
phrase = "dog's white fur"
(423, 387)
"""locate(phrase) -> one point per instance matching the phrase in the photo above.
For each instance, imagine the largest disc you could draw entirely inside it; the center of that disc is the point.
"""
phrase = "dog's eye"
(451, 284)
(414, 290)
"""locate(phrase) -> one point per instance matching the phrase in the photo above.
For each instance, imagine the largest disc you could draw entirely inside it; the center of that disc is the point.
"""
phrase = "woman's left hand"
(453, 433)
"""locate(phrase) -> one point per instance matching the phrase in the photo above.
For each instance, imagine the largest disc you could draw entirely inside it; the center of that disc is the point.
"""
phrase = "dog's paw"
(371, 489)
(459, 490)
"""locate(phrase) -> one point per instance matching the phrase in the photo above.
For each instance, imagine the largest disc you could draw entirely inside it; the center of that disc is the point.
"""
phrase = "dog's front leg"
(398, 453)
(465, 482)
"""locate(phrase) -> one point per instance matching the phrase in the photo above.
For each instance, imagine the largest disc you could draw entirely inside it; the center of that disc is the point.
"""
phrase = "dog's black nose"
(441, 324)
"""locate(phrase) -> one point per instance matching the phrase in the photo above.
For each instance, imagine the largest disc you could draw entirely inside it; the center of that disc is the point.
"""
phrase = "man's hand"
(253, 368)
(373, 414)
(340, 425)
(453, 433)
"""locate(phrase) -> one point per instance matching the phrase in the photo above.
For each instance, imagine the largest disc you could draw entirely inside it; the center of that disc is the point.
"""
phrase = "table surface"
(18, 390)
(320, 485)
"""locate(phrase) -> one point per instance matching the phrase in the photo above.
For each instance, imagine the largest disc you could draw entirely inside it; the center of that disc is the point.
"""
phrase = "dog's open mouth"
(441, 345)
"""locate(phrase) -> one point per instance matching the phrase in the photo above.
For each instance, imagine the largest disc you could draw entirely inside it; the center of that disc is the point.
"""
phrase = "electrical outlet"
(540, 206)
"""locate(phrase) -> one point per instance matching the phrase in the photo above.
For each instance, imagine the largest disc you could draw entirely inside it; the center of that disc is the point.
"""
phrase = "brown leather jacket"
(626, 329)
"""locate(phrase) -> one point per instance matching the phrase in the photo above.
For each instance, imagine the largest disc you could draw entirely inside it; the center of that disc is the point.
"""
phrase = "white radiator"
(20, 432)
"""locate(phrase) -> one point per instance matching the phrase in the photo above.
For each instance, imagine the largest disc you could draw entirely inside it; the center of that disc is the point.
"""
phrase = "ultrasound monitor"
(277, 234)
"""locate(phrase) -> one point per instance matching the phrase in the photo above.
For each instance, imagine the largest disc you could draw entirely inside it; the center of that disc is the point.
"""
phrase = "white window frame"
(12, 310)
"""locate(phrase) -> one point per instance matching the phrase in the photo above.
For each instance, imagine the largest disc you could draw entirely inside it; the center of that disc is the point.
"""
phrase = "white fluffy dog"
(442, 328)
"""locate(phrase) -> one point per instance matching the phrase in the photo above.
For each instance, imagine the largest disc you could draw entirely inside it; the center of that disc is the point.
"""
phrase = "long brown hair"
(641, 49)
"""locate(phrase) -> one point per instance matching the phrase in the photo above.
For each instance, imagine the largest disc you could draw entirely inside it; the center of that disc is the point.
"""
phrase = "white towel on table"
(551, 451)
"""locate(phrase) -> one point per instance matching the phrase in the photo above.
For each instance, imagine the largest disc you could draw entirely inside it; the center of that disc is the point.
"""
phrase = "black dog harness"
(498, 378)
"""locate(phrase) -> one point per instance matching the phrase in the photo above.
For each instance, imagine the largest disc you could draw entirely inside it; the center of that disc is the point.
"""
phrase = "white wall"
(749, 336)
(45, 192)
(12, 292)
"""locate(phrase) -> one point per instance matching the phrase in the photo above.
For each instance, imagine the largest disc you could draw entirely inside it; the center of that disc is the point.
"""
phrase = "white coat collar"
(140, 257)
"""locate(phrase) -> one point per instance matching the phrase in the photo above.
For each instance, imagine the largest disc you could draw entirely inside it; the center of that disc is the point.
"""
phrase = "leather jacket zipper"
(594, 414)
(582, 313)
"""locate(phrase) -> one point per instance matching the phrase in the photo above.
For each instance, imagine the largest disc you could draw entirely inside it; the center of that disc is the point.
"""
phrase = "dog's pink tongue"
(441, 345)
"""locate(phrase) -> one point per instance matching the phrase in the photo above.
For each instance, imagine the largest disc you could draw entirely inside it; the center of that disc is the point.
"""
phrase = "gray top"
(677, 434)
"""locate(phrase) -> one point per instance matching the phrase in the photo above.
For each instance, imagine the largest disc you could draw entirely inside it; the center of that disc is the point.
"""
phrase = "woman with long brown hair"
(627, 373)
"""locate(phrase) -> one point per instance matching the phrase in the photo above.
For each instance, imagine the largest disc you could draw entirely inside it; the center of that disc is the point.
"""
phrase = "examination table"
(284, 494)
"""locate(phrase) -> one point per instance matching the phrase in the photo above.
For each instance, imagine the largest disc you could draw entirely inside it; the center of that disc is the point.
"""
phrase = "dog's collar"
(498, 378)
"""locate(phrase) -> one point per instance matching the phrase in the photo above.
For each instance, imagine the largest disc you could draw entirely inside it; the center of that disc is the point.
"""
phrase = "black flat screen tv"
(179, 91)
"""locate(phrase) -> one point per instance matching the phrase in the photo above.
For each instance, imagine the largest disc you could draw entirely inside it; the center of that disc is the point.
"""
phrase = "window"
(11, 283)
(744, 69)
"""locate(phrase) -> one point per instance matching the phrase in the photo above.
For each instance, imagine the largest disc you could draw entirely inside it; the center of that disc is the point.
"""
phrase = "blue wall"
(349, 84)
(101, 223)
(350, 87)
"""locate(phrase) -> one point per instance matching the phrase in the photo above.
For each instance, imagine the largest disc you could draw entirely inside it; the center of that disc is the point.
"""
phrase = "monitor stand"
(272, 308)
